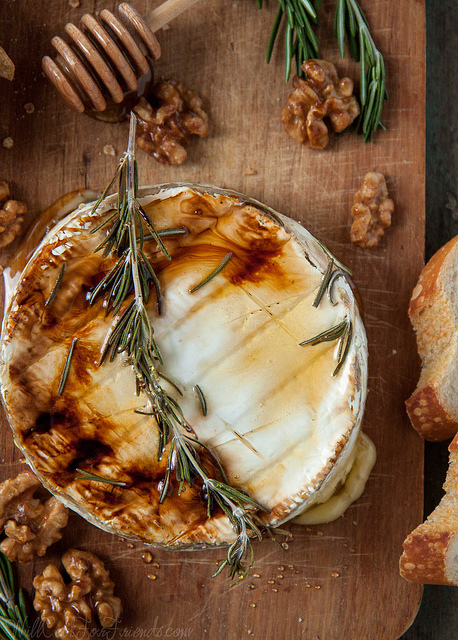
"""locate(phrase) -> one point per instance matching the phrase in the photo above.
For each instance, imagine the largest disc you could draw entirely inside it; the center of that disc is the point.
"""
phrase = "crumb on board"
(8, 142)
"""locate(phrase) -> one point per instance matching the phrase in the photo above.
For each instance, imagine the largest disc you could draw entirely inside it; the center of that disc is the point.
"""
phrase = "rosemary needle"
(171, 381)
(203, 401)
(166, 233)
(68, 362)
(55, 288)
(92, 476)
(214, 273)
(329, 335)
(324, 284)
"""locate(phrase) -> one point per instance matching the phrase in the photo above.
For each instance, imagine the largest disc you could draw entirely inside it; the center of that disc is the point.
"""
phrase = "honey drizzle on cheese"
(271, 295)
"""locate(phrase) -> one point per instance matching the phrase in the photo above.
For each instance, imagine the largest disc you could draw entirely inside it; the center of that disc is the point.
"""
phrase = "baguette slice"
(431, 550)
(433, 407)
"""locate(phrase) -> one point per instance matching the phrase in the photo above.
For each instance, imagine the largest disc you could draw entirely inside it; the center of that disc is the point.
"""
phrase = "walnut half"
(31, 526)
(11, 213)
(166, 125)
(371, 211)
(68, 608)
(322, 95)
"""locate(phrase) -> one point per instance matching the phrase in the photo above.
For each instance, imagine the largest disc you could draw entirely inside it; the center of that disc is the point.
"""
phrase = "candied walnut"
(31, 525)
(322, 95)
(166, 125)
(371, 211)
(10, 216)
(68, 608)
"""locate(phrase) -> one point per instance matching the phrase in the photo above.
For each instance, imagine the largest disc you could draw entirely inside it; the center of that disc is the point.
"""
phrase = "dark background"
(438, 615)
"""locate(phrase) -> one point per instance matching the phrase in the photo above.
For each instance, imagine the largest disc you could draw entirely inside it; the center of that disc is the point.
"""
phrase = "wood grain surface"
(339, 580)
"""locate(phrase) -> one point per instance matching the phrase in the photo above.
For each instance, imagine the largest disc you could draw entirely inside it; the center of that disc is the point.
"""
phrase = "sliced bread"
(431, 550)
(433, 407)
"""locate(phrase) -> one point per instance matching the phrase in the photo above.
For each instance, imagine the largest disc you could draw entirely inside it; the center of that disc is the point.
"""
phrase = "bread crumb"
(29, 107)
(249, 171)
(74, 4)
(109, 150)
(416, 292)
(151, 576)
(8, 143)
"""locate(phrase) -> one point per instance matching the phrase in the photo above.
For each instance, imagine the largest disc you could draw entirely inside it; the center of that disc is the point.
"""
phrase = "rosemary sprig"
(13, 614)
(241, 509)
(203, 401)
(56, 285)
(85, 475)
(214, 273)
(125, 289)
(68, 362)
(351, 24)
(301, 42)
(342, 331)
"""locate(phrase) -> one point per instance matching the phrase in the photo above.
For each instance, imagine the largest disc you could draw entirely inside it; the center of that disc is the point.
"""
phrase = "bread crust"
(432, 313)
(428, 415)
(430, 550)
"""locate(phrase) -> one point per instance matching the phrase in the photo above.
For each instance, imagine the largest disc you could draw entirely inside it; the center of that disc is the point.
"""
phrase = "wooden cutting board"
(338, 580)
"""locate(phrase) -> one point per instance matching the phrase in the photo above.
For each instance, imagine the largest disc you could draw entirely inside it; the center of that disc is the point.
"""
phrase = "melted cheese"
(350, 489)
(284, 428)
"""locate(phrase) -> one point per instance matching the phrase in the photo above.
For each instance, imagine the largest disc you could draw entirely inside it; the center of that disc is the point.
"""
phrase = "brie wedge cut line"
(284, 427)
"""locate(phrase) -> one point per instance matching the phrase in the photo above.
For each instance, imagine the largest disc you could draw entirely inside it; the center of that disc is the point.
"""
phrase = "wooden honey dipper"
(103, 70)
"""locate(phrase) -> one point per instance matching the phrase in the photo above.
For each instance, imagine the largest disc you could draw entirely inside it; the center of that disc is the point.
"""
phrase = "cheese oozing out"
(347, 490)
(284, 428)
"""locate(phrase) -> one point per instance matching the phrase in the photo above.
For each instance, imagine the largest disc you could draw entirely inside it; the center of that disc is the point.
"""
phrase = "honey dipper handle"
(167, 11)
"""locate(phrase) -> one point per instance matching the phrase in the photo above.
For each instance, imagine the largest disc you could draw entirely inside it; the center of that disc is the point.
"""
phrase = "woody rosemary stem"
(130, 202)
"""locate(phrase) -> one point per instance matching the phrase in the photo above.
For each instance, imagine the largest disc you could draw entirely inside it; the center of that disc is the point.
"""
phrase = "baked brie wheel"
(283, 419)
